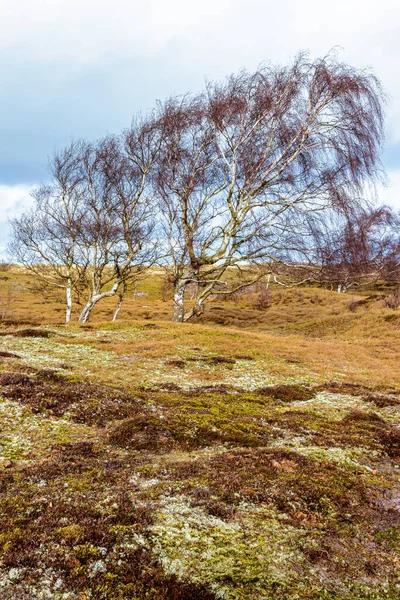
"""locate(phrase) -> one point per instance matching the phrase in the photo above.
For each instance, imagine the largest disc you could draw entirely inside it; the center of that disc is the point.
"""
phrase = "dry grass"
(308, 331)
(253, 454)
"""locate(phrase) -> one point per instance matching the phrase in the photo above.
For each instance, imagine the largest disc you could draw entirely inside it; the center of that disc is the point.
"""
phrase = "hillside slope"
(157, 460)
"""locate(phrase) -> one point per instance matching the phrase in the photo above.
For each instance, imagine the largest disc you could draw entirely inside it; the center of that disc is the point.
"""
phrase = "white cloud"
(14, 199)
(209, 38)
(85, 30)
(390, 194)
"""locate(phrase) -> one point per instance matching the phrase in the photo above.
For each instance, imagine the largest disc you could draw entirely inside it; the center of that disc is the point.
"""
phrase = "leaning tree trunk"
(120, 298)
(197, 310)
(96, 297)
(87, 309)
(198, 307)
(202, 293)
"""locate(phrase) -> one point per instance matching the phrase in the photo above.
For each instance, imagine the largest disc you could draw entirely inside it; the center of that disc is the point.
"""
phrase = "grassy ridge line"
(302, 308)
(154, 352)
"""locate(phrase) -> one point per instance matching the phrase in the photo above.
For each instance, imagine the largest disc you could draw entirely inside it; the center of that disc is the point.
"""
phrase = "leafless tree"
(44, 239)
(358, 246)
(243, 175)
(393, 300)
(390, 270)
(90, 230)
(116, 233)
(246, 167)
(9, 298)
(4, 266)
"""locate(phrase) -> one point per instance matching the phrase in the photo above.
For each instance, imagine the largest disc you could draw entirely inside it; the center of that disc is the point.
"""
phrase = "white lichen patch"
(345, 457)
(44, 353)
(89, 361)
(336, 405)
(238, 559)
(46, 586)
(96, 567)
(241, 375)
(23, 433)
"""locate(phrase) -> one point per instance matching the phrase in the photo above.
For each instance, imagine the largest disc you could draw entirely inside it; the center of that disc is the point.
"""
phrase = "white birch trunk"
(68, 311)
(96, 297)
(179, 299)
(87, 309)
(118, 308)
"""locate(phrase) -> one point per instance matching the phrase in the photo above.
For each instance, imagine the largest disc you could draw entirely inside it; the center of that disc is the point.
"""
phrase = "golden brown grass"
(251, 454)
(305, 333)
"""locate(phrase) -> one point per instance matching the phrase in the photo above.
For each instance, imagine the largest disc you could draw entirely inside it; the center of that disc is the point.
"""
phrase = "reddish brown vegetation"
(53, 394)
(40, 541)
(288, 393)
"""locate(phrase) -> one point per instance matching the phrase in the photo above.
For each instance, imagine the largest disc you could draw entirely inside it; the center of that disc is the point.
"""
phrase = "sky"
(82, 68)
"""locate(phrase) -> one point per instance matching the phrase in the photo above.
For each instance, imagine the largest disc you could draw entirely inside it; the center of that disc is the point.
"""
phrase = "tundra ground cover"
(151, 460)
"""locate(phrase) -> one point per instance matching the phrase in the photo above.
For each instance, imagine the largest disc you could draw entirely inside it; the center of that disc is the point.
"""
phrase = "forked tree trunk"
(343, 288)
(202, 293)
(196, 311)
(198, 307)
(96, 297)
(87, 309)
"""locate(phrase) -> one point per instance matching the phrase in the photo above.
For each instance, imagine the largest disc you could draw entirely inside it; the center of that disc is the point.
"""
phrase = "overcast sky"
(81, 68)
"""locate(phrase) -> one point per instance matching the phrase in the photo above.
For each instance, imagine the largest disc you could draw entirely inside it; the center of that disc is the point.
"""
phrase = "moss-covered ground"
(147, 460)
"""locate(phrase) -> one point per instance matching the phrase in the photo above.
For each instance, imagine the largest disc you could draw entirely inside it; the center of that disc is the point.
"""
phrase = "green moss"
(71, 533)
(9, 537)
(85, 552)
(241, 559)
(391, 536)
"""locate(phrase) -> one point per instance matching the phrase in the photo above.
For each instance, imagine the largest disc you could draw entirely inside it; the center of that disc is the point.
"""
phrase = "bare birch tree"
(247, 166)
(358, 246)
(90, 230)
(116, 232)
(44, 239)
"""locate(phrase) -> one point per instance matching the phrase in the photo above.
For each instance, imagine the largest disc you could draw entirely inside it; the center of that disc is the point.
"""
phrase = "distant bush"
(263, 299)
(393, 300)
(353, 304)
(4, 266)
